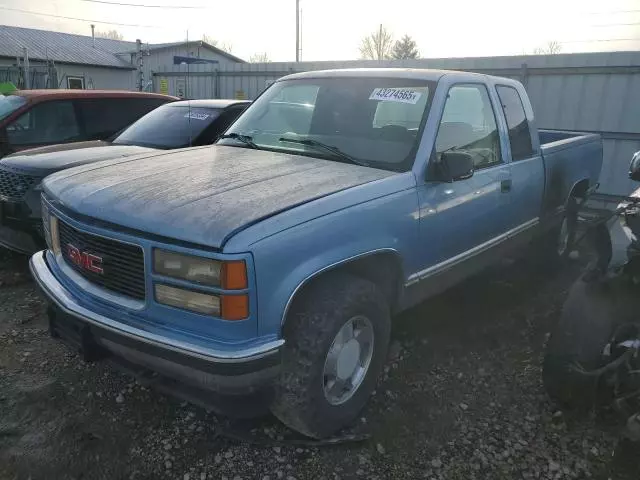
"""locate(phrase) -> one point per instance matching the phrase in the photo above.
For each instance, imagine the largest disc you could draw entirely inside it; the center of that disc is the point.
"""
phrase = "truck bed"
(553, 140)
(568, 157)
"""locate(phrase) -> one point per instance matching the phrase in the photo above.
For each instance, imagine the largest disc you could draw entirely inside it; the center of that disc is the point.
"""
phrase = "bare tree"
(259, 58)
(377, 45)
(551, 48)
(405, 49)
(224, 46)
(112, 34)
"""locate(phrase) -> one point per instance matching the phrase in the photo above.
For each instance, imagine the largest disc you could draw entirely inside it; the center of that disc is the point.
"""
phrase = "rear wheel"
(337, 335)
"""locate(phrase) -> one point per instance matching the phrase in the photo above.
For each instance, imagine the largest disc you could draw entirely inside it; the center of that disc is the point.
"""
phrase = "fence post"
(524, 74)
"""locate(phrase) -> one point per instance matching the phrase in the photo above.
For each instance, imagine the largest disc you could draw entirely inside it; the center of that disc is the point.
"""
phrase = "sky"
(333, 29)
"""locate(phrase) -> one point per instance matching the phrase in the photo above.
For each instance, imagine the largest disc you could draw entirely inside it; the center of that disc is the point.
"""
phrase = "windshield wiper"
(323, 146)
(246, 139)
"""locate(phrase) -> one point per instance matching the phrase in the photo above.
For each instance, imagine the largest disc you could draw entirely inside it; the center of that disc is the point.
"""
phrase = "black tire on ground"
(591, 313)
(316, 316)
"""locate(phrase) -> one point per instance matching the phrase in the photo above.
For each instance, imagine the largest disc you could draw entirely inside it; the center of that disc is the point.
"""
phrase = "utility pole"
(297, 30)
(140, 65)
(27, 77)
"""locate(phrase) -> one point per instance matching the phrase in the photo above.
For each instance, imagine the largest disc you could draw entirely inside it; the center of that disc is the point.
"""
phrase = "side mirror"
(634, 167)
(456, 165)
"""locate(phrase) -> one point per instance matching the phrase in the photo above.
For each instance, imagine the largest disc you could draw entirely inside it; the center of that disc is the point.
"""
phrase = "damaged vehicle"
(592, 359)
(273, 262)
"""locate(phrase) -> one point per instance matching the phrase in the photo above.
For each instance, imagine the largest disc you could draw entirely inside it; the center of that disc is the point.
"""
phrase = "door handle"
(505, 186)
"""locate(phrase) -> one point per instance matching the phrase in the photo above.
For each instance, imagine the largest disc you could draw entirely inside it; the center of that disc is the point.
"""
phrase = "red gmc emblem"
(85, 260)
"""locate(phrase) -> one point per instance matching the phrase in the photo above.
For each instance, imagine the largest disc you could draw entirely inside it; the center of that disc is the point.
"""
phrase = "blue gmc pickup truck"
(274, 260)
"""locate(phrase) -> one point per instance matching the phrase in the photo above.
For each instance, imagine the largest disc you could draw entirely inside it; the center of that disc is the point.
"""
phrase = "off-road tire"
(313, 322)
(590, 315)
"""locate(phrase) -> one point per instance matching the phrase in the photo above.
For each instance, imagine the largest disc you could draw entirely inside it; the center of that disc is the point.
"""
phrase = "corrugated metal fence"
(592, 92)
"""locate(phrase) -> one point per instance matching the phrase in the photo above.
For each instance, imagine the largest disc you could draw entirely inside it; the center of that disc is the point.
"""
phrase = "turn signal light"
(235, 307)
(234, 275)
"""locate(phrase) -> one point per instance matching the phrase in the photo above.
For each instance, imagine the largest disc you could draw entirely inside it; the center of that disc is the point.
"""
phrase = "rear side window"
(45, 123)
(103, 117)
(519, 133)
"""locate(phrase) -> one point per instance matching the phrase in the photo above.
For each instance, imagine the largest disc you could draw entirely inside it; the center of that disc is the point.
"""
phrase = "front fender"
(284, 262)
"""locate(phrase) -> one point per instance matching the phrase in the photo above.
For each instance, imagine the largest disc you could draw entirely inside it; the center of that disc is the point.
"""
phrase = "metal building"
(62, 60)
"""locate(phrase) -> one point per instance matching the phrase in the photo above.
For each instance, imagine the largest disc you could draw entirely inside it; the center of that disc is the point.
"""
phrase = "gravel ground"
(461, 399)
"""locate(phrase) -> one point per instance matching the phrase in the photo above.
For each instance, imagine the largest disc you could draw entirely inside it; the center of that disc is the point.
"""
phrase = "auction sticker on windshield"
(197, 116)
(402, 95)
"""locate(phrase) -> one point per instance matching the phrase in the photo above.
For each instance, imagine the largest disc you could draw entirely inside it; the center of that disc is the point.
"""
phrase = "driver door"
(458, 219)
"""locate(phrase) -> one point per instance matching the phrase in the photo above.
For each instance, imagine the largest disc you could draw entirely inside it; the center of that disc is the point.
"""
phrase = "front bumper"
(96, 336)
(19, 230)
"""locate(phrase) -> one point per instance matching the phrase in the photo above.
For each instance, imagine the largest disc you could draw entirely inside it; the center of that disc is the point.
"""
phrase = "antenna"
(186, 90)
(297, 30)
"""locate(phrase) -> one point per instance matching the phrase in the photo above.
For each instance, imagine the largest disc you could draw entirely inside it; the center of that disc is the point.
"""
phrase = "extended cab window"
(364, 120)
(468, 123)
(519, 133)
(45, 123)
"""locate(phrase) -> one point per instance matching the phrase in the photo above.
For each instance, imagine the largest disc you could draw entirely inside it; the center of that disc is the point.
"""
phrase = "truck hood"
(46, 160)
(201, 195)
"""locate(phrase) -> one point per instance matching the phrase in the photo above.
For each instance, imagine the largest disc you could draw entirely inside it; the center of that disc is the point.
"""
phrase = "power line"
(603, 40)
(141, 5)
(614, 24)
(614, 12)
(75, 18)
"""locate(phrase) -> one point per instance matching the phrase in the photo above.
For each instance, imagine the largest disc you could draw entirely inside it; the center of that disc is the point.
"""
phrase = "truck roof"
(413, 73)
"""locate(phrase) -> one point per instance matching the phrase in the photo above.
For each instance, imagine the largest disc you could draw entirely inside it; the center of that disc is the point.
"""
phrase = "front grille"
(15, 185)
(122, 264)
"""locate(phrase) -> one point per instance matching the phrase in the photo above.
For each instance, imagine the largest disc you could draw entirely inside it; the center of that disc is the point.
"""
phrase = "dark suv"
(171, 126)
(33, 118)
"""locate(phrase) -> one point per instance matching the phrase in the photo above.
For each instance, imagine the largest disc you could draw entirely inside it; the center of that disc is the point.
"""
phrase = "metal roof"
(62, 47)
(79, 49)
(199, 43)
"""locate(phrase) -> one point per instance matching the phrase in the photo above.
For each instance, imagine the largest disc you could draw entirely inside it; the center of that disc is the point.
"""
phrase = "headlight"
(187, 267)
(206, 271)
(188, 300)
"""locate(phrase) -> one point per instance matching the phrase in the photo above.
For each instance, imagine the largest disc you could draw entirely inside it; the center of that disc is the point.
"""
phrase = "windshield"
(169, 126)
(369, 121)
(10, 104)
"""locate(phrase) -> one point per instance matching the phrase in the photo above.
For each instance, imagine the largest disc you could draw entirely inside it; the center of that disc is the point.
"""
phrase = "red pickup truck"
(34, 118)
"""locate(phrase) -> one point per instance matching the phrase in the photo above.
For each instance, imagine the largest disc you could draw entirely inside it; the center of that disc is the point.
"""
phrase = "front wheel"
(337, 335)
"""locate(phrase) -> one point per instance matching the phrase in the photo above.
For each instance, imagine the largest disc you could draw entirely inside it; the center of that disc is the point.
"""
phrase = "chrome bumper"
(62, 298)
